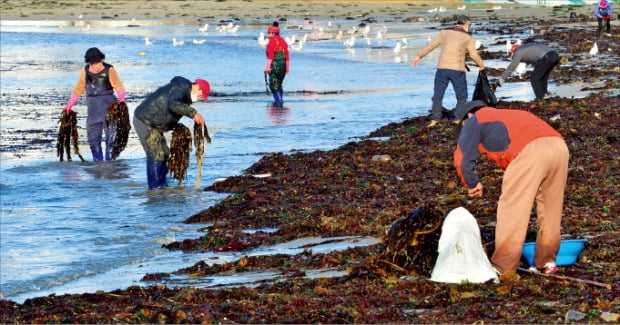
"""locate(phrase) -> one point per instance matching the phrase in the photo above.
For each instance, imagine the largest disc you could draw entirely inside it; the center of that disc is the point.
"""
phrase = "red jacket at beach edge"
(499, 134)
(535, 158)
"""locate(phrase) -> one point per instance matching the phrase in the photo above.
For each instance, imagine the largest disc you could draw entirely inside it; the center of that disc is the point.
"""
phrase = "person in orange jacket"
(535, 159)
(100, 80)
(277, 65)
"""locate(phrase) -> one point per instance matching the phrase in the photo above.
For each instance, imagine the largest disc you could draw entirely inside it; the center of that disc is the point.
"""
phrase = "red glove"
(268, 66)
(287, 66)
(120, 93)
(72, 101)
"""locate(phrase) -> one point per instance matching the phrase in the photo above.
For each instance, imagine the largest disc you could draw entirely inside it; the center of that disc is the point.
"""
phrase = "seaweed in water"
(119, 127)
(181, 146)
(67, 133)
(200, 133)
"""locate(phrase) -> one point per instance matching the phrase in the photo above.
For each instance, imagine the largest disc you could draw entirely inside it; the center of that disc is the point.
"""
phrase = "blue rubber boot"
(277, 100)
(156, 172)
(108, 153)
(97, 154)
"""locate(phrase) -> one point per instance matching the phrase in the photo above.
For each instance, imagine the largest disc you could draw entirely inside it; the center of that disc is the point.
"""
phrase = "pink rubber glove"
(268, 66)
(120, 93)
(287, 66)
(72, 101)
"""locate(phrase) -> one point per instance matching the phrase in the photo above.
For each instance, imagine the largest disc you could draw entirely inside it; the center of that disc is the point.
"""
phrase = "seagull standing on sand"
(508, 46)
(594, 49)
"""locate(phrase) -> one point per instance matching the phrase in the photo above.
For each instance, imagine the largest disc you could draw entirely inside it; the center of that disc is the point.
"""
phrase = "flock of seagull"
(224, 28)
(349, 38)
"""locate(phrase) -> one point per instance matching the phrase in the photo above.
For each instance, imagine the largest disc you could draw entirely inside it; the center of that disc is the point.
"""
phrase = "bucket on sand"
(567, 255)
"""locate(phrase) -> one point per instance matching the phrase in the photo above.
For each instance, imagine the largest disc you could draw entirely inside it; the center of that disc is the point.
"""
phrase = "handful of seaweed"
(119, 127)
(180, 147)
(409, 246)
(200, 133)
(66, 134)
(411, 243)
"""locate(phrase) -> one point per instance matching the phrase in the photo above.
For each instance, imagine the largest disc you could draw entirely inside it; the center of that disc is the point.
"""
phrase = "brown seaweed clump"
(118, 123)
(180, 147)
(200, 133)
(409, 246)
(68, 133)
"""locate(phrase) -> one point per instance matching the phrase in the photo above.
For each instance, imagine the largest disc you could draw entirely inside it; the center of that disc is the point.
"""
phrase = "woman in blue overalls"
(100, 81)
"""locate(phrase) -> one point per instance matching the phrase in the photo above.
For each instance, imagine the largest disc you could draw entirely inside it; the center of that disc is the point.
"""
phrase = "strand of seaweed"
(180, 147)
(119, 127)
(200, 133)
(67, 133)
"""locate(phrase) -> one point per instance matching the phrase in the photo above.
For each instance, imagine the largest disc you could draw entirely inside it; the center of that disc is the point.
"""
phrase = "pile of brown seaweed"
(118, 122)
(67, 134)
(346, 192)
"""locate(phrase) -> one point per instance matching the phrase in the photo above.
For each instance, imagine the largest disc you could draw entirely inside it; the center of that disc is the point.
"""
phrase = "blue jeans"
(459, 83)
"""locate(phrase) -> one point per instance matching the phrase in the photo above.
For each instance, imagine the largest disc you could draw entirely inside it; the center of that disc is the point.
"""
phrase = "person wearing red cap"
(603, 11)
(541, 56)
(160, 112)
(277, 65)
(100, 80)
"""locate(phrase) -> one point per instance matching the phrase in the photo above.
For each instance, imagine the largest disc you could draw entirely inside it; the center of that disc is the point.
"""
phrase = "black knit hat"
(462, 19)
(93, 55)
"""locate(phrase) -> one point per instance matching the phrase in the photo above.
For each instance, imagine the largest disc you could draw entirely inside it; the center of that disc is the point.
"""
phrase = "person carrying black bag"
(484, 91)
(455, 43)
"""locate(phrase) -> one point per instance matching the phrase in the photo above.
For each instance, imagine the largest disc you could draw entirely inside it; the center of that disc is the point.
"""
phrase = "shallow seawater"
(71, 227)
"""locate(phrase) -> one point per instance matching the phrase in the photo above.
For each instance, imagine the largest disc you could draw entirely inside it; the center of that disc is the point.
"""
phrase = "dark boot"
(97, 154)
(156, 172)
(437, 108)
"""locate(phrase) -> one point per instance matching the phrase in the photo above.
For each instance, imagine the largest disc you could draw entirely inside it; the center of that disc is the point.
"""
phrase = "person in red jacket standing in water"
(277, 64)
(535, 159)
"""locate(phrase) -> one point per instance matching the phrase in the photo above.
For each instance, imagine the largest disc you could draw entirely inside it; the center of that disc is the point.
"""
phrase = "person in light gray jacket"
(542, 57)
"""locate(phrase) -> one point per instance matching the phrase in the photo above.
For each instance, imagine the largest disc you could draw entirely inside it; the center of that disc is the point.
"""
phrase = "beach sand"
(264, 9)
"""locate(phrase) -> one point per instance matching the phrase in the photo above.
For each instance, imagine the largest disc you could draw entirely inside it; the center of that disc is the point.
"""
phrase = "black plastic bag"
(484, 91)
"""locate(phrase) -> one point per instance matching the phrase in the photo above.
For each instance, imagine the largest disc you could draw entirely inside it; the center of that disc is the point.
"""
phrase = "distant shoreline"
(381, 10)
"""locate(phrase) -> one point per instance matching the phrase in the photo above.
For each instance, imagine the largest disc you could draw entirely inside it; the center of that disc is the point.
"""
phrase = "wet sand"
(265, 9)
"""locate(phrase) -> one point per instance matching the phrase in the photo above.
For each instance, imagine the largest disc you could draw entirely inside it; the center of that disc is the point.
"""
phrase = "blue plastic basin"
(568, 254)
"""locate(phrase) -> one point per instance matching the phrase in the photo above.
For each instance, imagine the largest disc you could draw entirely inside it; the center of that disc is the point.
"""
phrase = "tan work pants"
(539, 172)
